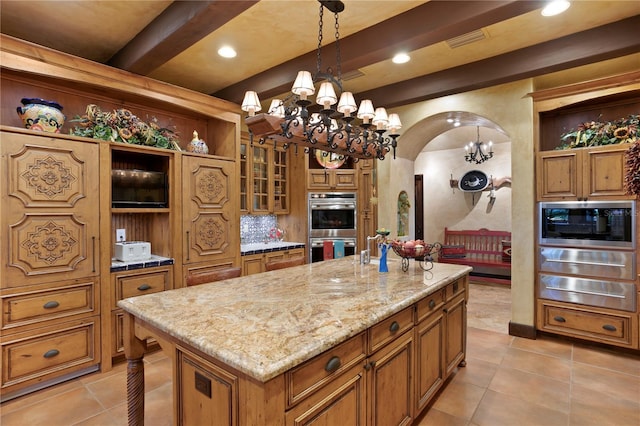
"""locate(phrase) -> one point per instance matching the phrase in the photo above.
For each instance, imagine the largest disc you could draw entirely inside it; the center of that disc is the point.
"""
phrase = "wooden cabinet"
(255, 263)
(390, 369)
(430, 348)
(367, 203)
(591, 173)
(59, 219)
(49, 274)
(202, 384)
(582, 174)
(210, 223)
(332, 179)
(339, 175)
(264, 178)
(133, 283)
(590, 323)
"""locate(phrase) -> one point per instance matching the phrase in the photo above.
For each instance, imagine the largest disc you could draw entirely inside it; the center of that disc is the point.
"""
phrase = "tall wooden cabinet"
(59, 281)
(584, 174)
(50, 269)
(210, 224)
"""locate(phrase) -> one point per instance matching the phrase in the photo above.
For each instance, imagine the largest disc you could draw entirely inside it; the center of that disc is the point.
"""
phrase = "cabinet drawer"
(594, 325)
(51, 352)
(387, 330)
(315, 373)
(34, 307)
(454, 289)
(430, 304)
(139, 284)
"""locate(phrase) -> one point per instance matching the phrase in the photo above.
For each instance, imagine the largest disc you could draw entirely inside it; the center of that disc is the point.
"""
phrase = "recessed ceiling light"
(401, 58)
(227, 52)
(555, 7)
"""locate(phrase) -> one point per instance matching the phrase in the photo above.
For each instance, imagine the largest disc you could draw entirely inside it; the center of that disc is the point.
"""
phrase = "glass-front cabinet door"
(280, 181)
(243, 178)
(260, 199)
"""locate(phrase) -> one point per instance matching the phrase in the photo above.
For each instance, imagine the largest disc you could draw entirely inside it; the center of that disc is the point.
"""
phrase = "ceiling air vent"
(467, 38)
(351, 75)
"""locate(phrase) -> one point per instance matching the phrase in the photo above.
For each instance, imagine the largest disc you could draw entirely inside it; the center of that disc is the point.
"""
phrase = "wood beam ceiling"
(427, 24)
(598, 44)
(178, 27)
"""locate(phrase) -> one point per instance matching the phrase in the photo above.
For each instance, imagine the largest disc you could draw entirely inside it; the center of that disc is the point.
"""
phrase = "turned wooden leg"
(135, 392)
(134, 349)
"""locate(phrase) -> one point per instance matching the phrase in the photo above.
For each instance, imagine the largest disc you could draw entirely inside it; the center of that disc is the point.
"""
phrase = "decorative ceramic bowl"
(38, 114)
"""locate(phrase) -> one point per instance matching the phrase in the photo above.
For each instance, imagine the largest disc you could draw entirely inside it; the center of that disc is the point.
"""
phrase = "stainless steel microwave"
(588, 223)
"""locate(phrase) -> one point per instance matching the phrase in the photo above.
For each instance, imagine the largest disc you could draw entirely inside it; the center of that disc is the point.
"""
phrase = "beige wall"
(508, 106)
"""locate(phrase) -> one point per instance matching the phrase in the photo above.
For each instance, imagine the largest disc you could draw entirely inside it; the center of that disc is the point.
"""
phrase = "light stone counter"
(265, 324)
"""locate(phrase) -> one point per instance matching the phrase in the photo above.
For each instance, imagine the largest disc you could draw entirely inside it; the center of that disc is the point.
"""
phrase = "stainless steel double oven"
(587, 253)
(332, 217)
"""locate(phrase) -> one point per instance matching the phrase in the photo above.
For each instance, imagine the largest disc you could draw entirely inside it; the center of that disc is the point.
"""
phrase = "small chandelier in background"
(476, 152)
(332, 129)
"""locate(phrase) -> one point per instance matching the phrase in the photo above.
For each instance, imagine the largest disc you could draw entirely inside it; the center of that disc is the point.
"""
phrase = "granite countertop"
(257, 248)
(266, 324)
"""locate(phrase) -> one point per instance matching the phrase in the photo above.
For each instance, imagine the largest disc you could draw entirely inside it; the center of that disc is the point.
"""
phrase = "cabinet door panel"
(456, 319)
(391, 383)
(559, 174)
(50, 209)
(429, 363)
(210, 219)
(604, 172)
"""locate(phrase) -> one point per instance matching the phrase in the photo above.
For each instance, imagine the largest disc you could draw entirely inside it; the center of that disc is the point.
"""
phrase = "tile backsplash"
(255, 228)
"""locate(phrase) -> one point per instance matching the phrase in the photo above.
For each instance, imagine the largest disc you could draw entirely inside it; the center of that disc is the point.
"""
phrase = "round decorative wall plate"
(329, 160)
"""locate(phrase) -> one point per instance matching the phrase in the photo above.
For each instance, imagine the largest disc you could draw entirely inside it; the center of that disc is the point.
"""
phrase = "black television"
(139, 189)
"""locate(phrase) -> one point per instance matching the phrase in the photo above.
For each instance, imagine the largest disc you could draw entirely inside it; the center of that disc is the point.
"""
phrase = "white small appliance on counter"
(131, 251)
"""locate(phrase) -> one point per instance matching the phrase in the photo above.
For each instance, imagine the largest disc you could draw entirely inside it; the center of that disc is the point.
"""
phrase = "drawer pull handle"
(51, 353)
(432, 304)
(610, 327)
(333, 364)
(50, 305)
(144, 287)
(394, 327)
(558, 318)
(455, 287)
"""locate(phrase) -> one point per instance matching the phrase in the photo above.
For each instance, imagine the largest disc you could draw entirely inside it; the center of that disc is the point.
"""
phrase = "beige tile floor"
(507, 381)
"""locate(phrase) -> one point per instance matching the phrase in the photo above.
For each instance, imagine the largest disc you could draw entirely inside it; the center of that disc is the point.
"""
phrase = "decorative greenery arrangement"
(632, 176)
(121, 125)
(596, 133)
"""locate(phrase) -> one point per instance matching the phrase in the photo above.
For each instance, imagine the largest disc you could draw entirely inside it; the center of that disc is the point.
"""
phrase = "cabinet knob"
(558, 318)
(51, 353)
(144, 287)
(51, 304)
(609, 327)
(432, 304)
(333, 364)
(394, 327)
(455, 287)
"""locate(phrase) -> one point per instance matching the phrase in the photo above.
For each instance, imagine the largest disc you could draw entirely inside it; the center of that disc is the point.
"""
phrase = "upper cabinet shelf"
(30, 71)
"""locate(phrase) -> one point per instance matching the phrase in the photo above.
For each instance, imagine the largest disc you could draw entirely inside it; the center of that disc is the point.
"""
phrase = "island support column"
(134, 350)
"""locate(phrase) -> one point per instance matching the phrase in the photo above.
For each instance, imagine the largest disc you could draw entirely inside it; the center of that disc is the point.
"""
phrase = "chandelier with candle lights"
(371, 133)
(476, 152)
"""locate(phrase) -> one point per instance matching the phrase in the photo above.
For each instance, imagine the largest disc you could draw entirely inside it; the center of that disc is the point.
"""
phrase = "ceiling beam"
(178, 27)
(429, 23)
(598, 44)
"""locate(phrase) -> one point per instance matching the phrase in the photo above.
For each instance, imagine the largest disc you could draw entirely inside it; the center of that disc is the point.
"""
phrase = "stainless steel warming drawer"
(605, 294)
(620, 265)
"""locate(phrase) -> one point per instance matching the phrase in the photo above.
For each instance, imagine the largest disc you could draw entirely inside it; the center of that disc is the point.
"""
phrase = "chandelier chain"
(319, 56)
(338, 56)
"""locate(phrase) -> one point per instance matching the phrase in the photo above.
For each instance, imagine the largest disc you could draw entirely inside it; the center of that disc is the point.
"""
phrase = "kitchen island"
(334, 340)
